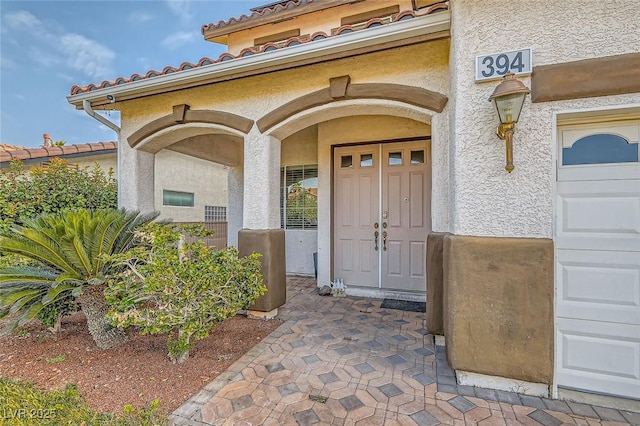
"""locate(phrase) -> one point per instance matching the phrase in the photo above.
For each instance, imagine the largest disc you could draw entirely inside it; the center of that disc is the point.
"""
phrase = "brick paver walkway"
(346, 361)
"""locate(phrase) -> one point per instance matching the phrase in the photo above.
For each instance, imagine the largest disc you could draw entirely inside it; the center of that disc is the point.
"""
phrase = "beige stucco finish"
(179, 172)
(324, 20)
(486, 200)
(107, 162)
(498, 306)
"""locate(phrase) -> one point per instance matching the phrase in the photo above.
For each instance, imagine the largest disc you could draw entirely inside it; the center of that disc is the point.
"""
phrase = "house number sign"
(495, 66)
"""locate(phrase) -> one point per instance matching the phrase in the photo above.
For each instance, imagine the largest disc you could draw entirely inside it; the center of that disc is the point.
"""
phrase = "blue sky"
(48, 46)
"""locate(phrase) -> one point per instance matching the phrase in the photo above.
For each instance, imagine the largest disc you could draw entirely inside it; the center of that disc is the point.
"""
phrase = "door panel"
(406, 190)
(356, 211)
(599, 356)
(400, 173)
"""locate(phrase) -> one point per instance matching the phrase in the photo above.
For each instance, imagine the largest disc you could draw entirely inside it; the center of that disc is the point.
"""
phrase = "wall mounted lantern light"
(508, 99)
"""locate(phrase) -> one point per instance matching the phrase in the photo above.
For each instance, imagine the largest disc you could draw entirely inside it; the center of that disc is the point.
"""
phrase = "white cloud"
(87, 55)
(20, 96)
(181, 8)
(51, 46)
(176, 40)
(139, 16)
(22, 20)
(44, 58)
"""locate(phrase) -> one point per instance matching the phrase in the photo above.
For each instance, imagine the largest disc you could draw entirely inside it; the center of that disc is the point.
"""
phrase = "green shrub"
(183, 289)
(24, 405)
(51, 187)
(67, 251)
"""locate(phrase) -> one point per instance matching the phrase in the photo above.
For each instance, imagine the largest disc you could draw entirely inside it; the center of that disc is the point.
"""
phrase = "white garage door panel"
(597, 242)
(598, 285)
(599, 215)
(599, 356)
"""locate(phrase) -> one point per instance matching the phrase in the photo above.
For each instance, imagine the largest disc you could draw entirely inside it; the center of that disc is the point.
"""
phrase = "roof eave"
(271, 61)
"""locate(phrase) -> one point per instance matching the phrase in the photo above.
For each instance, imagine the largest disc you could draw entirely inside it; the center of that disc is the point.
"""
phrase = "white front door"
(598, 259)
(382, 215)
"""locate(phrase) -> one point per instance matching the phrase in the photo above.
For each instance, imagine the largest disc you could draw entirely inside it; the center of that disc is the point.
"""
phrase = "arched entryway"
(380, 126)
(197, 155)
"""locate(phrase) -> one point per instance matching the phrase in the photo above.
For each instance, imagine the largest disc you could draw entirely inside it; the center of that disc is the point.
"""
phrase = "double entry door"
(382, 215)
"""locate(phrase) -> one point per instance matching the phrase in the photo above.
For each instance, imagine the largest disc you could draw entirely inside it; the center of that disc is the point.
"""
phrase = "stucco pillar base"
(269, 243)
(435, 275)
(498, 306)
(262, 315)
(502, 383)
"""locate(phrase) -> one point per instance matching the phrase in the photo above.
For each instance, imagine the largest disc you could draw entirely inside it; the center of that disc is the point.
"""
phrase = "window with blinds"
(299, 197)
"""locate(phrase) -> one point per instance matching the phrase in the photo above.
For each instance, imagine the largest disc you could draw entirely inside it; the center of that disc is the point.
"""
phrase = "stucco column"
(136, 178)
(261, 218)
(261, 207)
(235, 200)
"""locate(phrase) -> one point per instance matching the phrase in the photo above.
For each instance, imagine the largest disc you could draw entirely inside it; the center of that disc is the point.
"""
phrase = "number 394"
(501, 64)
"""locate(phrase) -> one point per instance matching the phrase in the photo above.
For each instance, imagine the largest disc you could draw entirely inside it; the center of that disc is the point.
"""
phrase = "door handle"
(384, 240)
(375, 239)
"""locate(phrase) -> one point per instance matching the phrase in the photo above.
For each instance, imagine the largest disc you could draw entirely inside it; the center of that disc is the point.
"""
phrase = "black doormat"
(404, 305)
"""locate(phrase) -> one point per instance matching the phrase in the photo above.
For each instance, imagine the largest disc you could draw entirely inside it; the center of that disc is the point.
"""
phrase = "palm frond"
(33, 244)
(30, 313)
(25, 300)
(54, 293)
(10, 299)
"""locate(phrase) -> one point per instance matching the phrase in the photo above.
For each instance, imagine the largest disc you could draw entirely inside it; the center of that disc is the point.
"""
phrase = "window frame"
(165, 192)
(284, 196)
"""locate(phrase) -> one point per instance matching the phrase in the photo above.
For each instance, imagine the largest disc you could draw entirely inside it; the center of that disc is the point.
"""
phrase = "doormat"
(404, 305)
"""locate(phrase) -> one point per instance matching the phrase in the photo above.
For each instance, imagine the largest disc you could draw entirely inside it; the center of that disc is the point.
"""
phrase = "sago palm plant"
(69, 249)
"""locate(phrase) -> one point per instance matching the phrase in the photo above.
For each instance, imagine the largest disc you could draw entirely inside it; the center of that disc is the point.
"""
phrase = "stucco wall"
(498, 306)
(487, 200)
(300, 148)
(323, 20)
(106, 162)
(422, 65)
(179, 172)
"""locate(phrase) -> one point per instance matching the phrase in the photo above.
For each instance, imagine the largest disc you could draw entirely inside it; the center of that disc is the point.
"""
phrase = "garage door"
(598, 259)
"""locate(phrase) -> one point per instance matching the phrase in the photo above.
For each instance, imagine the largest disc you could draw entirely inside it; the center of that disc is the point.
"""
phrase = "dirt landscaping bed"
(136, 373)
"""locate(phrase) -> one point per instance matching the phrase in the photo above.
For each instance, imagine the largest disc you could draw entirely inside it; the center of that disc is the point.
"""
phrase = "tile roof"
(56, 151)
(257, 12)
(7, 147)
(265, 48)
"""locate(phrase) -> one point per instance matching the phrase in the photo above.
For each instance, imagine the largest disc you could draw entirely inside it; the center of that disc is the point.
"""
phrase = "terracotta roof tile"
(55, 151)
(7, 147)
(257, 12)
(268, 47)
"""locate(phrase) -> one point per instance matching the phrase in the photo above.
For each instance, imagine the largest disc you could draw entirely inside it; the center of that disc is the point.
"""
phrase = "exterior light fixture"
(508, 99)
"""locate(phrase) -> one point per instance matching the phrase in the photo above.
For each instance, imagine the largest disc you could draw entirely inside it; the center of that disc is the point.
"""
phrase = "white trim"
(601, 400)
(378, 293)
(553, 389)
(502, 383)
(395, 31)
(595, 114)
